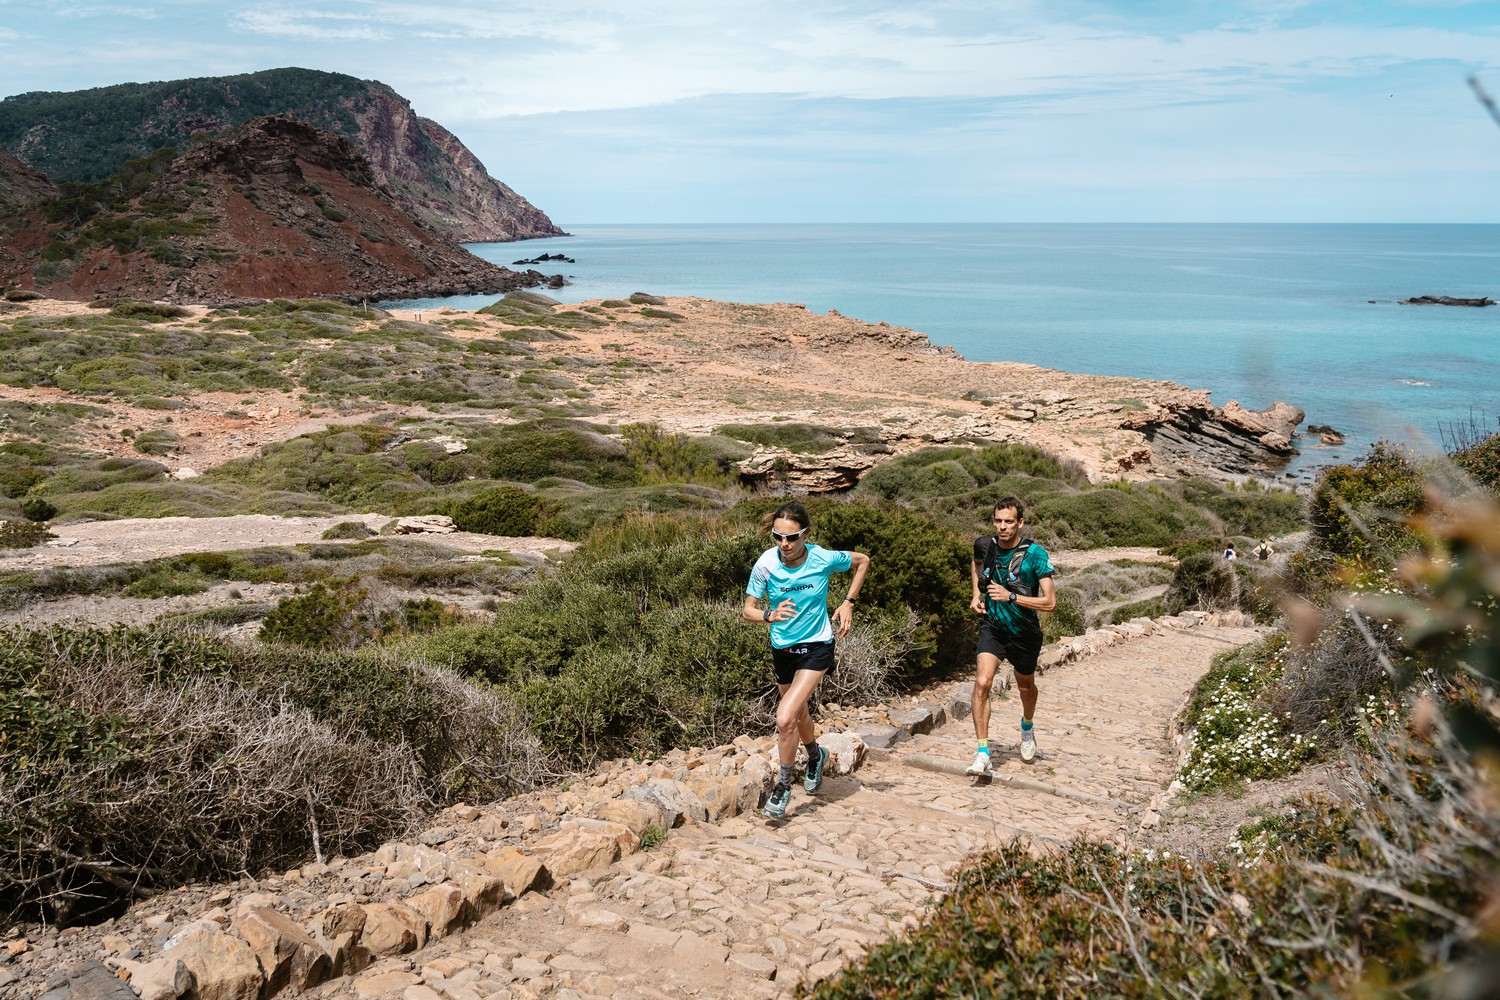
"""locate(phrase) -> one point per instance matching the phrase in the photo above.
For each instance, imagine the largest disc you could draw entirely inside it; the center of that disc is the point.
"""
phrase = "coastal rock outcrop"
(427, 172)
(271, 209)
(1189, 435)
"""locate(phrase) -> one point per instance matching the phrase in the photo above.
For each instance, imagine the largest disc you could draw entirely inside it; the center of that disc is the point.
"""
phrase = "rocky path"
(729, 903)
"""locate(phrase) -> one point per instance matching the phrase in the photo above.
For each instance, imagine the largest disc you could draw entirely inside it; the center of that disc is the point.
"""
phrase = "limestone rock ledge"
(1189, 435)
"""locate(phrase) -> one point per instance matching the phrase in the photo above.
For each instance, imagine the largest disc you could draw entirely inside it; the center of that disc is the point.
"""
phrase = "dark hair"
(792, 511)
(1015, 502)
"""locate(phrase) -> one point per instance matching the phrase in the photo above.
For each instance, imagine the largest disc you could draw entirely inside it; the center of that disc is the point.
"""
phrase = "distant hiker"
(792, 578)
(1229, 553)
(1012, 581)
(1263, 550)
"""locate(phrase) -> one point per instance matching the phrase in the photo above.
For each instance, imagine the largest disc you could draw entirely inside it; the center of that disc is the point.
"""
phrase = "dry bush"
(492, 749)
(223, 784)
(1325, 685)
(868, 658)
(132, 773)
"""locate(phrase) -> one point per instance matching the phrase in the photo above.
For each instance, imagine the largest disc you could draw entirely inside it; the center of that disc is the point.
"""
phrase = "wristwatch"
(766, 615)
(1012, 597)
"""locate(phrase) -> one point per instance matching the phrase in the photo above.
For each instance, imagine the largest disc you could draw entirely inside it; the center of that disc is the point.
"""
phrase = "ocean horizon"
(1307, 314)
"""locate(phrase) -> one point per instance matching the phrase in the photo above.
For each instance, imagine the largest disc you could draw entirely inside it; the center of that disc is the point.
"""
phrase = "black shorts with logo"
(806, 656)
(1021, 650)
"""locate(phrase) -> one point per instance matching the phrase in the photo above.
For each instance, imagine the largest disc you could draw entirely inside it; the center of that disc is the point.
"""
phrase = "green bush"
(506, 510)
(1067, 619)
(1206, 581)
(1357, 511)
(141, 759)
(321, 618)
(151, 312)
(351, 530)
(38, 509)
(1481, 460)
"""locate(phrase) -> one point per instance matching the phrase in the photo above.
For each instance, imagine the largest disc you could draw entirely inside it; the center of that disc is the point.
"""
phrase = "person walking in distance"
(1012, 581)
(792, 578)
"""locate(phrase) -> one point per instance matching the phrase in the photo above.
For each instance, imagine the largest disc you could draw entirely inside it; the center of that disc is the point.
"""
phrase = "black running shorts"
(1020, 650)
(808, 656)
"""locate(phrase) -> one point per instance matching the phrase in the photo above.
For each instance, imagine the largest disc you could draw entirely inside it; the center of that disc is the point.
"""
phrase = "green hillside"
(85, 135)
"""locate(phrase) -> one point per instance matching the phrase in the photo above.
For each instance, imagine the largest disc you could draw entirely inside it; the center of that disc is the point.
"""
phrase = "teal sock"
(1025, 724)
(786, 774)
(984, 746)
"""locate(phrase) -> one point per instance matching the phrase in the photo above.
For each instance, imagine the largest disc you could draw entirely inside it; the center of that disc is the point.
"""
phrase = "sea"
(1306, 314)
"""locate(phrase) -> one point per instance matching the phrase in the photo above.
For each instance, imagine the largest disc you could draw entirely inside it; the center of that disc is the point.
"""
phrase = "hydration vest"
(1012, 579)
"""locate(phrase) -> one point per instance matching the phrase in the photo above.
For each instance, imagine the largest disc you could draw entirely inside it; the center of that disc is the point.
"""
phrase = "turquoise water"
(1307, 314)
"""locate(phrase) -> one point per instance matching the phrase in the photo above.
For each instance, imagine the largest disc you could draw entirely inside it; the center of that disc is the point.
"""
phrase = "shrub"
(1067, 619)
(323, 617)
(1356, 511)
(139, 759)
(151, 312)
(1481, 461)
(156, 442)
(37, 509)
(645, 299)
(1206, 581)
(348, 530)
(506, 510)
(22, 534)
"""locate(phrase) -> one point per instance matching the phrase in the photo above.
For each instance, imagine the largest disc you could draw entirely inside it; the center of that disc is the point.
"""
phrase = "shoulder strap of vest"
(1018, 556)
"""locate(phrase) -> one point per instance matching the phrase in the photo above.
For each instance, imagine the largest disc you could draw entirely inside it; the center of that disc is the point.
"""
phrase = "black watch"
(1012, 597)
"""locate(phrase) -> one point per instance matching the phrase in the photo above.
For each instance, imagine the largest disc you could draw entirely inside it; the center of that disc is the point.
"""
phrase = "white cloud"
(307, 25)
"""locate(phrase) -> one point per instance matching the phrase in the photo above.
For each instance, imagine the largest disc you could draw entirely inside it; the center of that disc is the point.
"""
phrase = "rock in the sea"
(1445, 300)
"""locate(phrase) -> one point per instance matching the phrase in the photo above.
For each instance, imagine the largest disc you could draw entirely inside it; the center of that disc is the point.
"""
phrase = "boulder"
(521, 872)
(223, 966)
(91, 980)
(392, 929)
(676, 799)
(442, 906)
(425, 524)
(638, 815)
(288, 955)
(572, 851)
(163, 979)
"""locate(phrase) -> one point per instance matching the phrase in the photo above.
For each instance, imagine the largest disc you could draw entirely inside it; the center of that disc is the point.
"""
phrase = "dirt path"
(730, 904)
(750, 907)
(127, 540)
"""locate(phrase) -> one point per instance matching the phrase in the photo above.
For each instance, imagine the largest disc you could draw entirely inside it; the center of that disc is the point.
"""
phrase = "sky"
(689, 111)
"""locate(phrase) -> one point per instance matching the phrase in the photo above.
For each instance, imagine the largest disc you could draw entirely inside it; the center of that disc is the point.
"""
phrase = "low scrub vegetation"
(1386, 894)
(133, 760)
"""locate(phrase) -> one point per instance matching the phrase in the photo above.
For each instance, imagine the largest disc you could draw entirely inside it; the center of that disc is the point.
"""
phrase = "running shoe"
(776, 802)
(814, 776)
(1028, 743)
(981, 765)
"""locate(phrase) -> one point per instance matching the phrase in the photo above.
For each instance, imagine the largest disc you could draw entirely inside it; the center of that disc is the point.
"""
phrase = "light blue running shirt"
(807, 586)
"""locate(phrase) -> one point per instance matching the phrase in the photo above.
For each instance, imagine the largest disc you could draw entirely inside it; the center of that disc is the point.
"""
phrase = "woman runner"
(792, 579)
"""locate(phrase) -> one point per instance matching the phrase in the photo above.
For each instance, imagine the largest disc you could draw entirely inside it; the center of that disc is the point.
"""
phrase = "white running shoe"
(981, 765)
(1028, 743)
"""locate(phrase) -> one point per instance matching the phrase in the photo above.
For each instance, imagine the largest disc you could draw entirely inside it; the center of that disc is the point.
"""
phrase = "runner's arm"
(1045, 599)
(843, 615)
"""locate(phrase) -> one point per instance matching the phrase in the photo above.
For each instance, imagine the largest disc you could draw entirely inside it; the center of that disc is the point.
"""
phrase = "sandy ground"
(96, 543)
(723, 363)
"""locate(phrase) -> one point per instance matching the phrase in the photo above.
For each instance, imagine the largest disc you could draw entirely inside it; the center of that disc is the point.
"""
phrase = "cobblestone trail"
(733, 904)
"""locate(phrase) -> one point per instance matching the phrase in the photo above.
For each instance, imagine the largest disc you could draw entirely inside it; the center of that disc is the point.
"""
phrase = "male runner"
(1012, 580)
